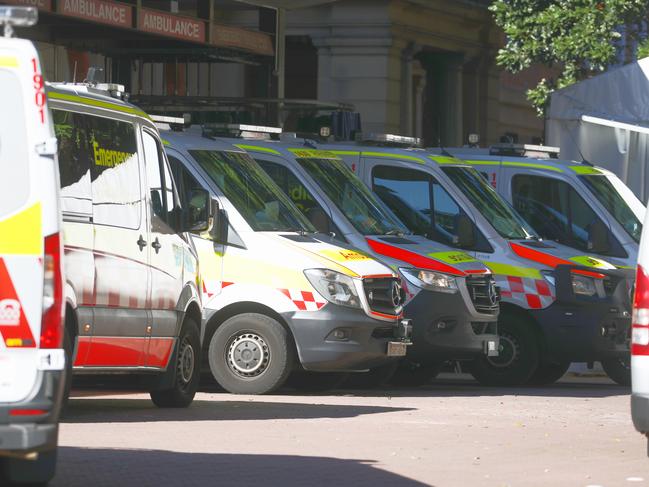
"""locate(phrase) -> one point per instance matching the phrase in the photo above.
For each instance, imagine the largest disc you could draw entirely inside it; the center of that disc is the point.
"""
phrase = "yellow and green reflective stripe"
(96, 103)
(254, 148)
(453, 257)
(446, 160)
(531, 165)
(513, 270)
(583, 170)
(394, 156)
(8, 62)
(165, 142)
(592, 262)
(313, 154)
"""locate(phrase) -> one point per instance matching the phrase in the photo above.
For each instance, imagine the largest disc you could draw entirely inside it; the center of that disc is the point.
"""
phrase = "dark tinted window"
(419, 201)
(98, 162)
(163, 202)
(554, 209)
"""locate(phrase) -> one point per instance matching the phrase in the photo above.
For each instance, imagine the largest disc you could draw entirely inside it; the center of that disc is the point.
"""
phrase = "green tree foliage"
(578, 38)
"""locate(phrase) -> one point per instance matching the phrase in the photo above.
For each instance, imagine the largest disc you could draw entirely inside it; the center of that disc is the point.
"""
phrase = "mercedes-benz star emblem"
(396, 294)
(493, 293)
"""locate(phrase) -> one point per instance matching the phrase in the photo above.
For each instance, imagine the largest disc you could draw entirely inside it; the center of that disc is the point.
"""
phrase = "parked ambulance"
(279, 298)
(551, 315)
(640, 340)
(32, 358)
(573, 203)
(133, 303)
(450, 296)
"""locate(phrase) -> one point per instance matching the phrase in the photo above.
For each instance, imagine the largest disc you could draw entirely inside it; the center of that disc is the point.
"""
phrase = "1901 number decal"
(39, 91)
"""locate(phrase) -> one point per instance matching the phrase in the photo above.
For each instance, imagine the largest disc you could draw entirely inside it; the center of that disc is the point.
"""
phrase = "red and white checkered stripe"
(529, 292)
(304, 300)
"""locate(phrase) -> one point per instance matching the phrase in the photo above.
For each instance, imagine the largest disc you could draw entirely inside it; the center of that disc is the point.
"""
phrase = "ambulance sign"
(104, 12)
(168, 25)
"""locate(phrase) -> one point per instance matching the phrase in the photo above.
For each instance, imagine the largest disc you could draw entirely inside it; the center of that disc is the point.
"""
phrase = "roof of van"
(192, 139)
(474, 156)
(87, 95)
(328, 149)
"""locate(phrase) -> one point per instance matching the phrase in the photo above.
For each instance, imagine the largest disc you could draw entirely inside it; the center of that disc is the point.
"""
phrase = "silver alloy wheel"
(186, 362)
(508, 352)
(248, 355)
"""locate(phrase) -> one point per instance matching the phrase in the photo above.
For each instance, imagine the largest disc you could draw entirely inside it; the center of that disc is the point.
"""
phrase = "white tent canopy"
(605, 120)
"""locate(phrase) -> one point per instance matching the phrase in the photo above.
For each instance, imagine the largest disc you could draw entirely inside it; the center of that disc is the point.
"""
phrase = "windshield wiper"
(394, 231)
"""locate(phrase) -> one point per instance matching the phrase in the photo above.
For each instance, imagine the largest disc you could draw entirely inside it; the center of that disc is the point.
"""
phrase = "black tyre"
(415, 374)
(251, 353)
(29, 472)
(316, 381)
(519, 355)
(548, 373)
(619, 370)
(187, 370)
(375, 377)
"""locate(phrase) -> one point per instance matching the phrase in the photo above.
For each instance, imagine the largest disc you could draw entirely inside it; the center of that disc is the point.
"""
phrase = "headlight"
(334, 287)
(583, 285)
(431, 280)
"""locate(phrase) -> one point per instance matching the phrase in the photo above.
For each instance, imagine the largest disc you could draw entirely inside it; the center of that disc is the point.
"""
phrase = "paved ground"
(451, 433)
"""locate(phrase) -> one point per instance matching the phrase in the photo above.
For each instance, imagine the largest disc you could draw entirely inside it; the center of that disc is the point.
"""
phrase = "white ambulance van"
(32, 359)
(133, 305)
(280, 299)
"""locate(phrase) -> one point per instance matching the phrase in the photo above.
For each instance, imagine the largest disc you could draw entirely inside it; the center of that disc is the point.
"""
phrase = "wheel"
(548, 373)
(29, 472)
(619, 370)
(376, 377)
(414, 374)
(250, 354)
(518, 358)
(316, 381)
(187, 370)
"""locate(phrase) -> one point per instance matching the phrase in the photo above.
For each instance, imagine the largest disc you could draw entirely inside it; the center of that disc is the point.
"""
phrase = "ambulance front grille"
(378, 292)
(481, 289)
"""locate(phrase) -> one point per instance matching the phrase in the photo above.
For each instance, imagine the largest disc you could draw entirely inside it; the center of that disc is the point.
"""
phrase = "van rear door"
(28, 218)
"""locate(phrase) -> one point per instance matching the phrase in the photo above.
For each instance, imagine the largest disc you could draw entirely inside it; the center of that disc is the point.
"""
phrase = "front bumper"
(640, 412)
(581, 329)
(25, 434)
(445, 329)
(363, 346)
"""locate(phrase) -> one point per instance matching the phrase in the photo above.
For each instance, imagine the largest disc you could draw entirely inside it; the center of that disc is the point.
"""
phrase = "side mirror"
(220, 225)
(598, 241)
(465, 232)
(198, 211)
(319, 218)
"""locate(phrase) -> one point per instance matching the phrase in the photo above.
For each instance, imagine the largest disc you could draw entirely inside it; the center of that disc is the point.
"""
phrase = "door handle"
(156, 245)
(141, 243)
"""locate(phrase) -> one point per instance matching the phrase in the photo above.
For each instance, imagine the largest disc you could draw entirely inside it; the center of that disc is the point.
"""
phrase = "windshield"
(608, 196)
(496, 210)
(364, 211)
(261, 203)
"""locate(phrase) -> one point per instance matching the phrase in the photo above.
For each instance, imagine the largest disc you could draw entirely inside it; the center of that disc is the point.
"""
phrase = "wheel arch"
(516, 312)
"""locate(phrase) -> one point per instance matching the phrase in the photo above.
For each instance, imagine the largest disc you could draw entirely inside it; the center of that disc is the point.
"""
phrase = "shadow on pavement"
(143, 410)
(82, 467)
(463, 388)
